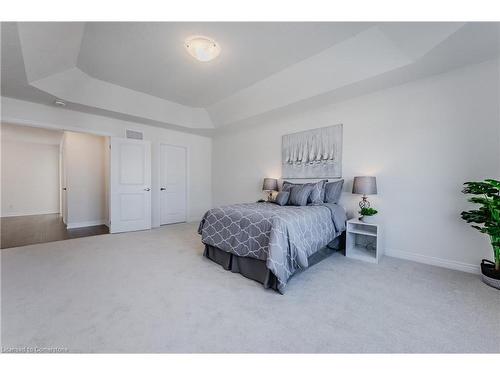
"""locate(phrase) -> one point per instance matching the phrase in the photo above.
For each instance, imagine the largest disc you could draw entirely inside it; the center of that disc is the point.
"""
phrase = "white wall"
(422, 140)
(199, 147)
(86, 165)
(30, 171)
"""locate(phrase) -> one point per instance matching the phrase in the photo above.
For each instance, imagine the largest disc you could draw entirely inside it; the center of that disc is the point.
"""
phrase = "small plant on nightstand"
(367, 214)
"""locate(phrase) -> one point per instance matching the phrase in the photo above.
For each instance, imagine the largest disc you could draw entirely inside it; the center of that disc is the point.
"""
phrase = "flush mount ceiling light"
(202, 48)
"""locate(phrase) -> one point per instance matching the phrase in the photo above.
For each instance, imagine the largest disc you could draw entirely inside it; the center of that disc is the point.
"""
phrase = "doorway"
(84, 180)
(173, 184)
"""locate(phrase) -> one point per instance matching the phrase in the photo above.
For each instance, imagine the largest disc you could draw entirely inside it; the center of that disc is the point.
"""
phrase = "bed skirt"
(255, 269)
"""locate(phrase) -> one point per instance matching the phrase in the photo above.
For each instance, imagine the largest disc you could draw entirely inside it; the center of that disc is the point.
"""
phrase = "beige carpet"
(153, 291)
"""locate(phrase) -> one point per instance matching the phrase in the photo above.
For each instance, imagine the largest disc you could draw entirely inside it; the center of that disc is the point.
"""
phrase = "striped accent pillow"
(299, 195)
(333, 190)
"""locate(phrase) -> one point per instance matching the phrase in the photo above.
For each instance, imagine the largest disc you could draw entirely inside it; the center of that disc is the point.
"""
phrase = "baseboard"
(433, 261)
(83, 224)
(13, 214)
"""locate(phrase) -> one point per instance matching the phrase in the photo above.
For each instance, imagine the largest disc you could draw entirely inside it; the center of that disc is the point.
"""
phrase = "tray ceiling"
(141, 70)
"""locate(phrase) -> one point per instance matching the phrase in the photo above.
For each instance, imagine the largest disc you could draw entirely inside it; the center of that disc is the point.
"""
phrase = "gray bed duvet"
(282, 236)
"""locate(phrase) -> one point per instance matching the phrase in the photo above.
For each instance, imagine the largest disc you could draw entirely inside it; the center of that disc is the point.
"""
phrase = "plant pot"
(490, 276)
(368, 219)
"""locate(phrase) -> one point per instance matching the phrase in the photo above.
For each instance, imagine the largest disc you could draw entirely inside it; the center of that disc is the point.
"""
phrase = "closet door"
(173, 184)
(130, 184)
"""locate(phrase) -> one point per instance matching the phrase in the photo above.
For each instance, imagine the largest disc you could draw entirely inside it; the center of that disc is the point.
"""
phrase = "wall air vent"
(132, 134)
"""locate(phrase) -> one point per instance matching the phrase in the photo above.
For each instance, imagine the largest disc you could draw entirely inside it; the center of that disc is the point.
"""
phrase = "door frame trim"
(188, 182)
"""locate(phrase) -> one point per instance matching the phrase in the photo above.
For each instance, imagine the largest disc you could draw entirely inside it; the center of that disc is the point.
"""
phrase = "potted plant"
(367, 214)
(487, 194)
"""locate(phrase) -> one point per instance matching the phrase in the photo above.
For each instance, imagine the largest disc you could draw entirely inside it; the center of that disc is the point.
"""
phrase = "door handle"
(147, 189)
(163, 188)
(64, 189)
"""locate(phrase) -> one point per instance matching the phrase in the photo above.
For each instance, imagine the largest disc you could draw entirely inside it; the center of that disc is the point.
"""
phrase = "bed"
(269, 243)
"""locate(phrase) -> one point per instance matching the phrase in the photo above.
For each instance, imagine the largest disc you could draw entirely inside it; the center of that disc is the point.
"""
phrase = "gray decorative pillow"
(317, 194)
(287, 186)
(282, 198)
(333, 190)
(299, 195)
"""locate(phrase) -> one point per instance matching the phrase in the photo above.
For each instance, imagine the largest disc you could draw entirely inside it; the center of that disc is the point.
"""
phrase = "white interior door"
(173, 175)
(130, 185)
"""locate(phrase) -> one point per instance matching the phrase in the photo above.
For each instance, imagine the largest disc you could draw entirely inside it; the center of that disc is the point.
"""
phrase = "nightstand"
(363, 241)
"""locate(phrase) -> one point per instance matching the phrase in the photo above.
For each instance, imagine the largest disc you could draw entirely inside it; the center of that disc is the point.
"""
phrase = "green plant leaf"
(486, 194)
(368, 211)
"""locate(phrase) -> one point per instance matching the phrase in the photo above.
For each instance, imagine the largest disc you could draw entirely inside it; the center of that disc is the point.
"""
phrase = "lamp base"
(364, 203)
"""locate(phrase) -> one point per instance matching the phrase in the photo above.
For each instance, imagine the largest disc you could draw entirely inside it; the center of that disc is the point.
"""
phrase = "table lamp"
(365, 185)
(270, 185)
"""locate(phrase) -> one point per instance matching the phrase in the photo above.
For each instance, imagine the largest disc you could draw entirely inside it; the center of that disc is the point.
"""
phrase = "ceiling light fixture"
(202, 48)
